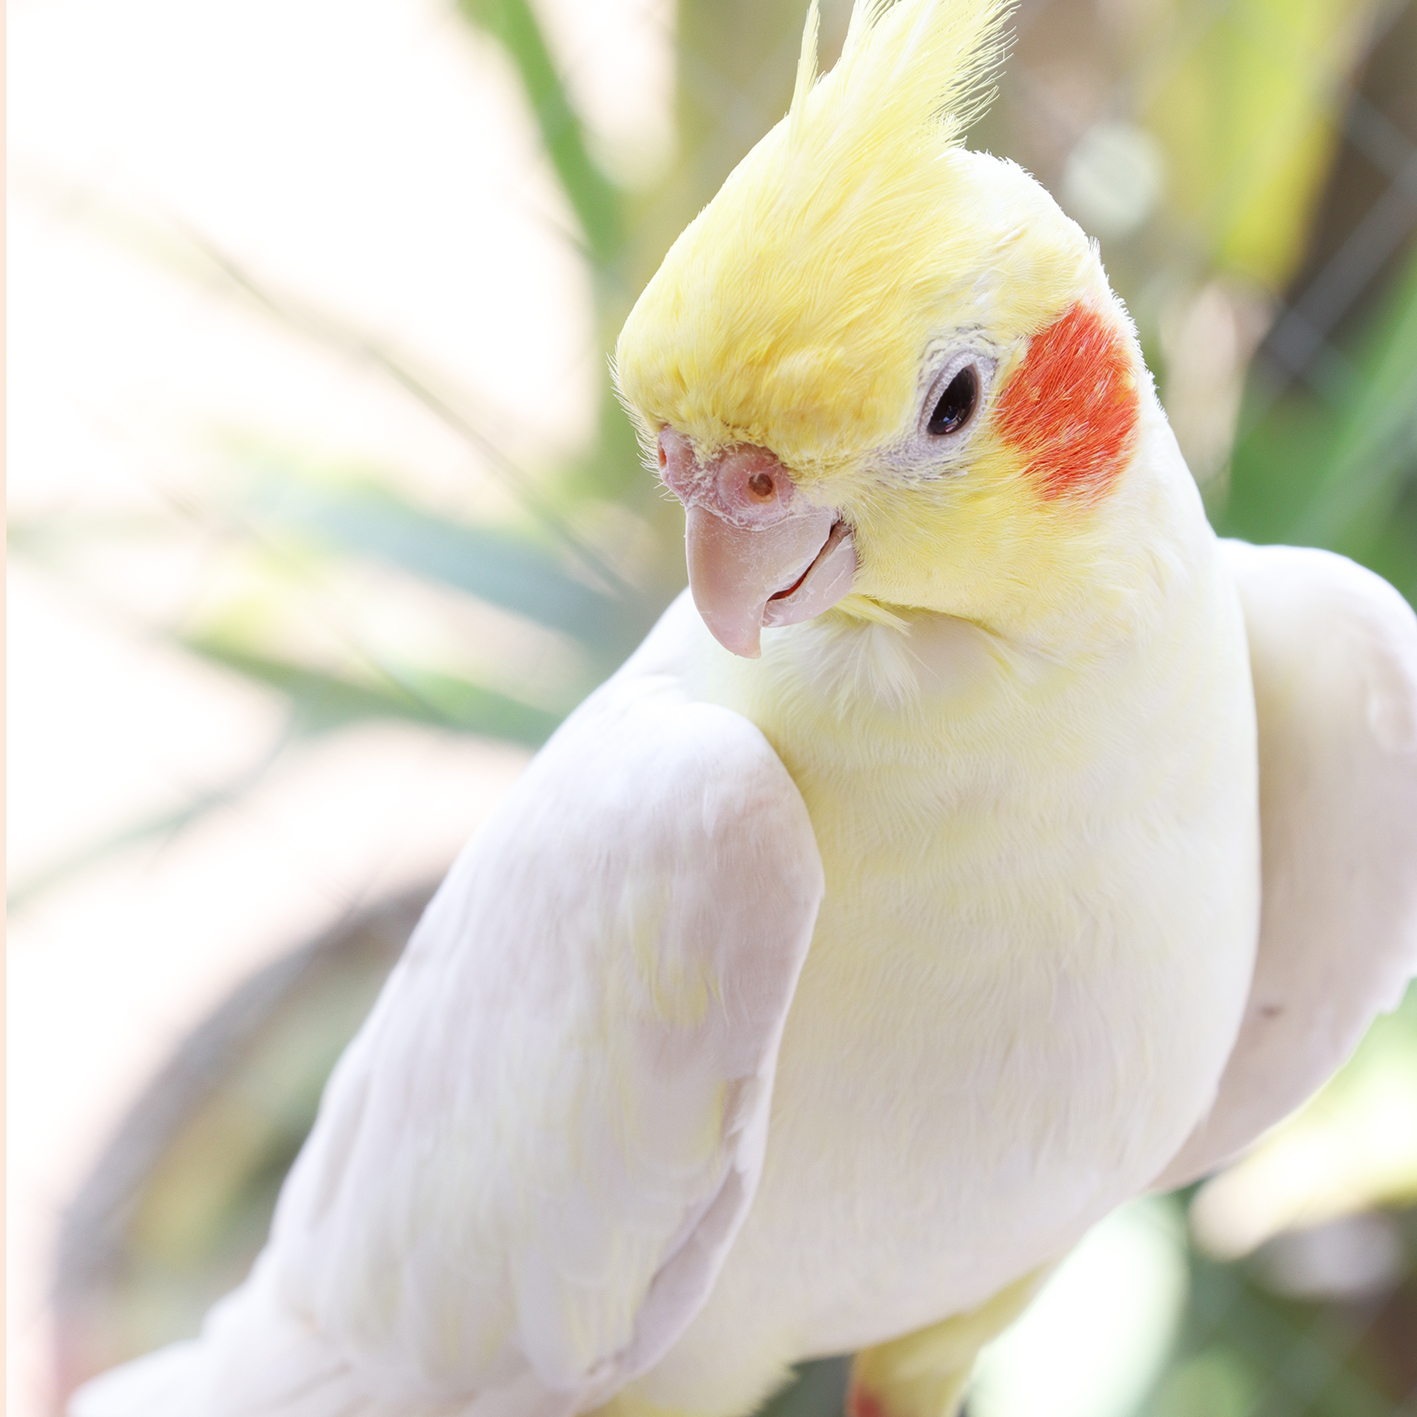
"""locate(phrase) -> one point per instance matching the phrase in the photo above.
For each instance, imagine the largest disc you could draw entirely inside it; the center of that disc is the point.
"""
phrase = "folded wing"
(1333, 651)
(529, 1166)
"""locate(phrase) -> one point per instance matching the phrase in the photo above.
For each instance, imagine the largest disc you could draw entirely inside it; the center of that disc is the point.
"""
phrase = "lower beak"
(745, 577)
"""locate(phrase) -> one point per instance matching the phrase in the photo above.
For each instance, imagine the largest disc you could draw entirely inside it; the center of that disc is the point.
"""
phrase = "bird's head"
(879, 365)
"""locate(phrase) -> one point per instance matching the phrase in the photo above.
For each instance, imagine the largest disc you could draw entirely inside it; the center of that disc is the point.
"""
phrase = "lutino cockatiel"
(977, 844)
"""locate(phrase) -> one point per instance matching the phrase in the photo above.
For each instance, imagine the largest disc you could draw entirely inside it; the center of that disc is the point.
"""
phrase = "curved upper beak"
(759, 553)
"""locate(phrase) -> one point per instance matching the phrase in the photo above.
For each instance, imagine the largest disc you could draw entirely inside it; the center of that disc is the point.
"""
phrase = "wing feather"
(1333, 652)
(528, 1167)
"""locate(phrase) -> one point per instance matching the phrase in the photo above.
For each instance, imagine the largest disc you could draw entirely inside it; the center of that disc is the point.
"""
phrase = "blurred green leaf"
(595, 198)
(482, 561)
(1374, 450)
(1341, 473)
(1215, 1383)
(324, 701)
(1245, 103)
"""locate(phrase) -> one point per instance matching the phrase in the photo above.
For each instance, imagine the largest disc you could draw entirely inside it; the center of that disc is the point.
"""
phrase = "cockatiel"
(978, 844)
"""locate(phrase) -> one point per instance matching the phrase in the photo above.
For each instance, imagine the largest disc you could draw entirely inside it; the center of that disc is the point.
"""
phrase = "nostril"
(663, 456)
(760, 484)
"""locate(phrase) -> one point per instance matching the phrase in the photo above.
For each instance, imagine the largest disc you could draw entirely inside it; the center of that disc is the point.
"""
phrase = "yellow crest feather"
(907, 64)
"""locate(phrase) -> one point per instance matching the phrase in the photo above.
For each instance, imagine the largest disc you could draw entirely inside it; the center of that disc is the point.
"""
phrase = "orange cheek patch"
(1072, 408)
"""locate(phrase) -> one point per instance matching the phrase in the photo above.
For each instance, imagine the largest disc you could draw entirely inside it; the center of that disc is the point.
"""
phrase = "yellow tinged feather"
(858, 607)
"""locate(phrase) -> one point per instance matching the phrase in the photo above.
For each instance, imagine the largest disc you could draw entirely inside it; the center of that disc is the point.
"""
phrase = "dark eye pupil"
(956, 403)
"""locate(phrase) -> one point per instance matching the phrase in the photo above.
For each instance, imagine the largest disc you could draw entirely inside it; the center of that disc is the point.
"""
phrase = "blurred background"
(321, 516)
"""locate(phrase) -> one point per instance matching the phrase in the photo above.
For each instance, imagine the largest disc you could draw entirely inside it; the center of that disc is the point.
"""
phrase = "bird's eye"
(956, 403)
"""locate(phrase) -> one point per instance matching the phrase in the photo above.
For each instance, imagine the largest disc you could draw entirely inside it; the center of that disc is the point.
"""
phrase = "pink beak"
(759, 553)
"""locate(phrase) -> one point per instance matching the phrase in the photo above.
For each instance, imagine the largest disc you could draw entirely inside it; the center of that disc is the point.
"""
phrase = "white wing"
(1333, 651)
(529, 1166)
